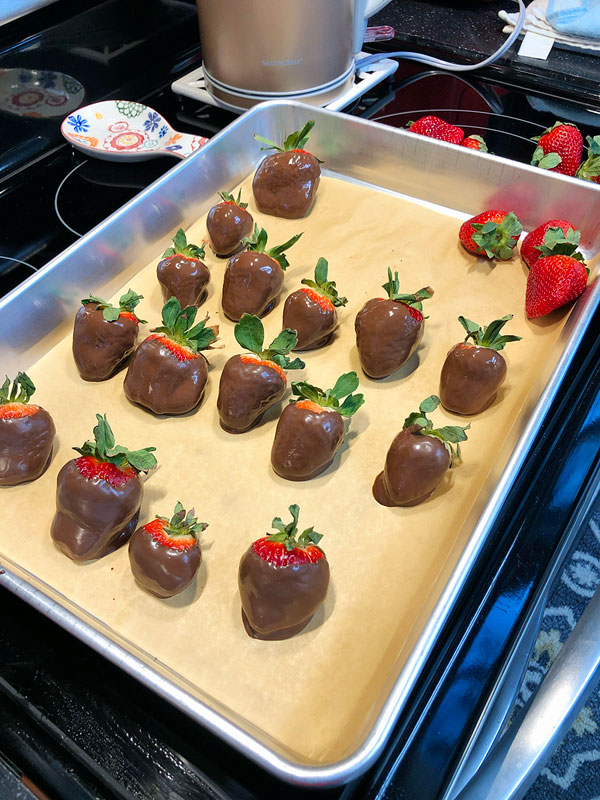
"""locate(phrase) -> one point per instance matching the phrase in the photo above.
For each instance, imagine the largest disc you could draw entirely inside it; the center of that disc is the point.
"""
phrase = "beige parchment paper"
(315, 695)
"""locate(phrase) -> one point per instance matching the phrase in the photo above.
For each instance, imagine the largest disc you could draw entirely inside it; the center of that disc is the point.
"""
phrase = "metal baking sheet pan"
(315, 709)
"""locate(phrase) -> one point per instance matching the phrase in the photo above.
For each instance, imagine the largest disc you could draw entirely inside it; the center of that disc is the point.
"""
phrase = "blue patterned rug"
(573, 773)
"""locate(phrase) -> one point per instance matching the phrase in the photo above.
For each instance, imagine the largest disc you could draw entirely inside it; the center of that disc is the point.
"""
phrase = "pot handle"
(363, 9)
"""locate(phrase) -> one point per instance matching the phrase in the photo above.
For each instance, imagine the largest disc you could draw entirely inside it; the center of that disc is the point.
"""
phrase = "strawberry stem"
(295, 140)
(323, 286)
(415, 300)
(497, 239)
(178, 325)
(183, 248)
(258, 243)
(450, 435)
(330, 398)
(490, 335)
(286, 534)
(183, 523)
(556, 243)
(250, 334)
(22, 389)
(590, 169)
(104, 449)
(127, 302)
(229, 198)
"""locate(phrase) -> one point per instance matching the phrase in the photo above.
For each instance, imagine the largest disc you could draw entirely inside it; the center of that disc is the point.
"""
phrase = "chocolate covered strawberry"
(474, 370)
(283, 579)
(26, 433)
(165, 555)
(253, 279)
(388, 330)
(228, 223)
(418, 458)
(168, 371)
(98, 496)
(104, 335)
(285, 183)
(182, 273)
(590, 169)
(492, 233)
(252, 383)
(553, 238)
(475, 142)
(559, 149)
(553, 281)
(436, 128)
(311, 311)
(311, 428)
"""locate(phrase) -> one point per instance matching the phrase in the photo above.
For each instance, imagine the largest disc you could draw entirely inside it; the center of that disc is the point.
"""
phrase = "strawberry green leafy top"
(22, 389)
(415, 300)
(330, 398)
(183, 523)
(497, 239)
(490, 335)
(250, 334)
(287, 533)
(104, 449)
(556, 243)
(590, 169)
(295, 141)
(258, 242)
(448, 434)
(229, 198)
(323, 286)
(127, 302)
(182, 248)
(179, 326)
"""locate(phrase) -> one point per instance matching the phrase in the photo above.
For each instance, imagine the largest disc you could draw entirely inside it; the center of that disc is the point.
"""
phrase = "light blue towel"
(575, 17)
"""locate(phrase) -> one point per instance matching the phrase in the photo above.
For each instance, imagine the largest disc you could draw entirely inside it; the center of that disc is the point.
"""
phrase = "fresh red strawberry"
(251, 384)
(559, 149)
(307, 439)
(285, 183)
(590, 169)
(436, 128)
(182, 273)
(388, 331)
(310, 311)
(557, 237)
(168, 371)
(283, 579)
(253, 279)
(474, 370)
(552, 282)
(475, 142)
(26, 433)
(165, 555)
(418, 458)
(98, 495)
(492, 233)
(104, 335)
(228, 223)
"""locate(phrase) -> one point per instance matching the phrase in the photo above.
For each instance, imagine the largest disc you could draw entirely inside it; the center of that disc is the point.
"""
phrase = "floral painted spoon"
(121, 130)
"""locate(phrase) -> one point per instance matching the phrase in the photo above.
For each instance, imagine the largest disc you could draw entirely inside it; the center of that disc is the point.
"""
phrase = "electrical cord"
(440, 63)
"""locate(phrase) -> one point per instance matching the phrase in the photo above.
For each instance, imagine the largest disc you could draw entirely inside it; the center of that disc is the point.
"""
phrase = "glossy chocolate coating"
(183, 278)
(386, 336)
(246, 391)
(25, 447)
(414, 466)
(158, 380)
(227, 225)
(306, 442)
(315, 325)
(163, 571)
(471, 377)
(278, 602)
(251, 285)
(93, 517)
(285, 184)
(100, 346)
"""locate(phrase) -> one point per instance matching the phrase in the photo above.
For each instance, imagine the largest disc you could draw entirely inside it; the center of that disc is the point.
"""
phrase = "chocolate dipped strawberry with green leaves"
(182, 273)
(310, 311)
(98, 495)
(285, 183)
(311, 428)
(228, 223)
(253, 279)
(474, 369)
(165, 554)
(418, 458)
(283, 579)
(252, 383)
(105, 335)
(389, 330)
(168, 371)
(26, 433)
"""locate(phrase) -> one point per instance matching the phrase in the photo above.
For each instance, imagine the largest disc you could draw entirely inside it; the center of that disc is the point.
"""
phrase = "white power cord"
(440, 63)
